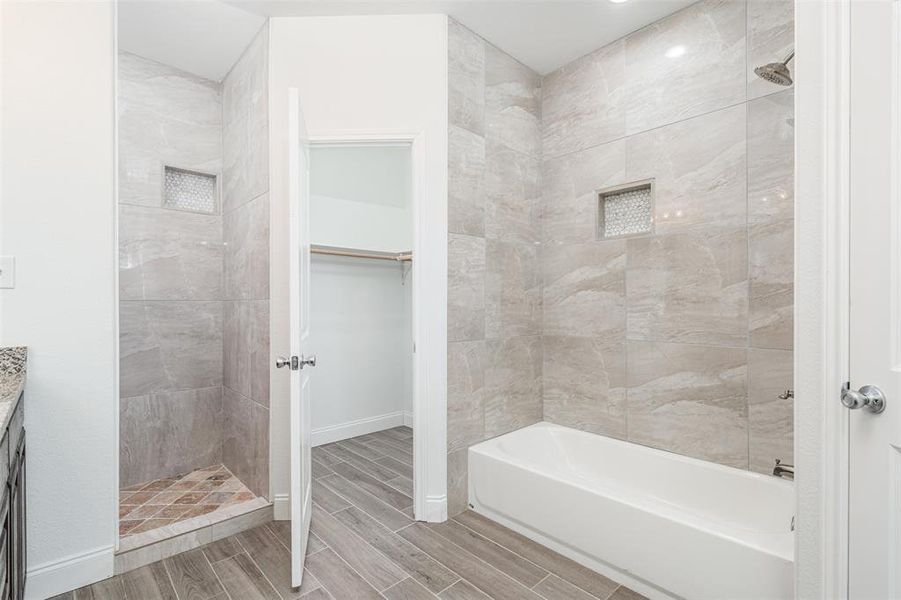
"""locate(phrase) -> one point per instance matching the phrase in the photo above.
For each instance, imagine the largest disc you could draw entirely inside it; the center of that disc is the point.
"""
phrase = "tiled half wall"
(681, 340)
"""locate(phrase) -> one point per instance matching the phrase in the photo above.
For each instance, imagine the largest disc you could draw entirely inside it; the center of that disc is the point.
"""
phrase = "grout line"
(547, 571)
(215, 574)
(259, 568)
(539, 581)
(479, 559)
(169, 577)
(459, 579)
(362, 510)
(454, 519)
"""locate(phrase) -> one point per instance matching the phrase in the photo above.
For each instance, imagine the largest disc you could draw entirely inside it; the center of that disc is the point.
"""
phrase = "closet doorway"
(361, 316)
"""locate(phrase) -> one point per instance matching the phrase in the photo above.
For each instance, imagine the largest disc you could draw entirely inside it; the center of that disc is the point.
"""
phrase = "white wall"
(358, 329)
(360, 312)
(366, 75)
(360, 197)
(58, 219)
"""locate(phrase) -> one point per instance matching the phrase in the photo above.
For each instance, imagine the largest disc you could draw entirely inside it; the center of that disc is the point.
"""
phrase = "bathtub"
(665, 525)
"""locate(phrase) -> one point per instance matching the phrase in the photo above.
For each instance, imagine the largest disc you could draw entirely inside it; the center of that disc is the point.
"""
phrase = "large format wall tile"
(512, 290)
(465, 78)
(699, 170)
(169, 255)
(771, 134)
(245, 440)
(512, 103)
(569, 190)
(771, 36)
(771, 312)
(466, 364)
(584, 289)
(465, 182)
(771, 220)
(689, 399)
(513, 384)
(245, 125)
(457, 482)
(168, 346)
(168, 433)
(166, 117)
(687, 64)
(512, 195)
(583, 103)
(770, 418)
(465, 288)
(246, 259)
(245, 342)
(689, 287)
(584, 382)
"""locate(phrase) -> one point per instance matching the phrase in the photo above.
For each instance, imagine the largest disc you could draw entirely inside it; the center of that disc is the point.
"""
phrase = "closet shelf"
(358, 253)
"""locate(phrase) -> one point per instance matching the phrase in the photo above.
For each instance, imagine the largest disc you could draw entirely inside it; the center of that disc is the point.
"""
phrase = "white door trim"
(821, 292)
(429, 321)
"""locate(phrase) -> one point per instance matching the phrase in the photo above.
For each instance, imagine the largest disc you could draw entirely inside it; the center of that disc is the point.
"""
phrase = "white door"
(874, 550)
(299, 363)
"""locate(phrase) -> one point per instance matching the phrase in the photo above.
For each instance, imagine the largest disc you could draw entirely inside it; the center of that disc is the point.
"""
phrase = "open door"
(299, 303)
(874, 390)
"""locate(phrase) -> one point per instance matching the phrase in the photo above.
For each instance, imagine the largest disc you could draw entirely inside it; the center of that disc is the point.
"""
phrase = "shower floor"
(154, 504)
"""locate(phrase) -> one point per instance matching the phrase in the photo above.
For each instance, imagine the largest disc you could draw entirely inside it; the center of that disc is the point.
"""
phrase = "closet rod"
(354, 253)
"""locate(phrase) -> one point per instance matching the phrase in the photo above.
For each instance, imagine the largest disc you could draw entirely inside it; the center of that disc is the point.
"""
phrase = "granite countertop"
(12, 381)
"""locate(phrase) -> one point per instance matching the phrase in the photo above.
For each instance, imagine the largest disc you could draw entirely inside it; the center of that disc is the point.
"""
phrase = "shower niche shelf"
(190, 191)
(626, 210)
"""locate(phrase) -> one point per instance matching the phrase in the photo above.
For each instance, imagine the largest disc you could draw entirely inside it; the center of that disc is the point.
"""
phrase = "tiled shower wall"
(494, 297)
(245, 210)
(194, 288)
(680, 340)
(170, 275)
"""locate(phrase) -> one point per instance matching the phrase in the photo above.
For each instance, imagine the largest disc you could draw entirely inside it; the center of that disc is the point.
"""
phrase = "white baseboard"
(343, 431)
(75, 571)
(408, 419)
(435, 510)
(281, 507)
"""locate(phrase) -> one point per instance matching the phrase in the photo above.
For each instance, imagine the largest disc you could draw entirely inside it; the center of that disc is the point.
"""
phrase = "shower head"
(776, 72)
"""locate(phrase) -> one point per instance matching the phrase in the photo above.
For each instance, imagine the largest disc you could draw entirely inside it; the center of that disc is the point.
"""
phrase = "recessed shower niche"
(626, 210)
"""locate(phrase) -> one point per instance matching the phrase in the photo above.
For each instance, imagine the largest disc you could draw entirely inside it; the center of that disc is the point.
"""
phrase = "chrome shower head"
(776, 72)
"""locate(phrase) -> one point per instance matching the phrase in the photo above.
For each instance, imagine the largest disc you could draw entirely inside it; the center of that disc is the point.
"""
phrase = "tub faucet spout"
(784, 470)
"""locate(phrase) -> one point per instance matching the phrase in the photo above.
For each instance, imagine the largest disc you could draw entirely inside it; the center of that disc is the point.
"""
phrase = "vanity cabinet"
(12, 508)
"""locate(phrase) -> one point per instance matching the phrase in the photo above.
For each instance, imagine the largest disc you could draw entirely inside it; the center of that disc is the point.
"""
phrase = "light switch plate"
(7, 272)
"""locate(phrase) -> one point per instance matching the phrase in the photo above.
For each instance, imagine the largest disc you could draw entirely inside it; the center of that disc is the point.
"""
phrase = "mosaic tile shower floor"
(153, 504)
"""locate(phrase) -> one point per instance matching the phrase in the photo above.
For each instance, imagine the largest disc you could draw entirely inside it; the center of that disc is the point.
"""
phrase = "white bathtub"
(665, 525)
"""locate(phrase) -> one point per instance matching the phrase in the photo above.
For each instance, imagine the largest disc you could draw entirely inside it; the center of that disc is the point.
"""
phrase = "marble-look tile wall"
(680, 340)
(194, 288)
(245, 280)
(495, 347)
(170, 275)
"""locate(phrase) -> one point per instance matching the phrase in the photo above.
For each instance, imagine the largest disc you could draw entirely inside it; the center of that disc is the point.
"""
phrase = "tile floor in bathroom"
(162, 502)
(364, 545)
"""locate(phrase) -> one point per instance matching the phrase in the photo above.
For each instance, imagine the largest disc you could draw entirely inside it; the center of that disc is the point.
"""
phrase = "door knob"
(308, 360)
(282, 362)
(869, 397)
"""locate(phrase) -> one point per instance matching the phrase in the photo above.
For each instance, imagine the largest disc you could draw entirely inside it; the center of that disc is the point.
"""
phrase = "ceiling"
(203, 37)
(206, 37)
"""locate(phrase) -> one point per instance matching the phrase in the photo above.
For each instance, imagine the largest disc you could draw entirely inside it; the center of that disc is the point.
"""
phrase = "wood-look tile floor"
(364, 544)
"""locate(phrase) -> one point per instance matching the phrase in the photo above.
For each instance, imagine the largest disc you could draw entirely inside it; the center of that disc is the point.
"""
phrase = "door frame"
(429, 333)
(822, 251)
